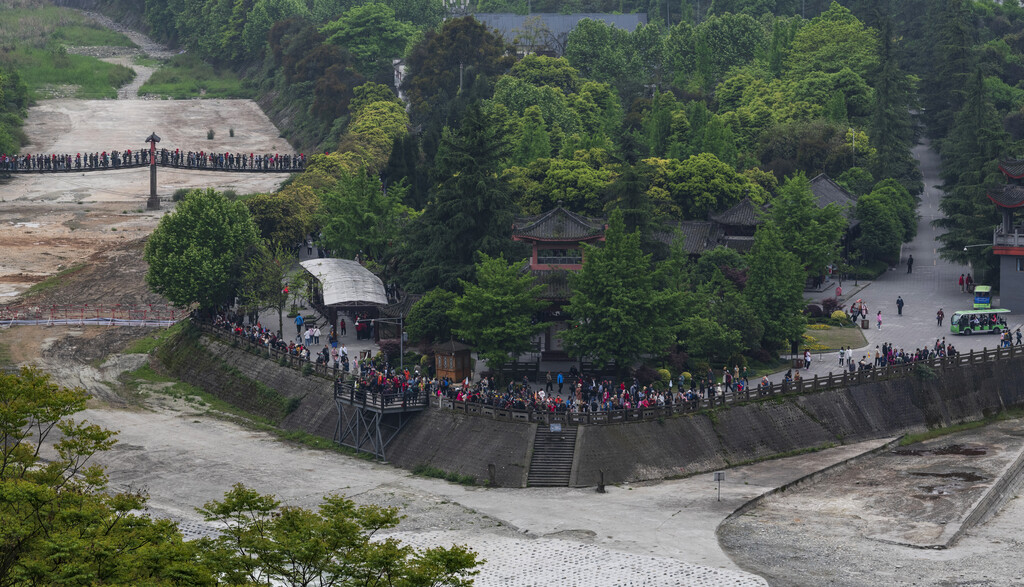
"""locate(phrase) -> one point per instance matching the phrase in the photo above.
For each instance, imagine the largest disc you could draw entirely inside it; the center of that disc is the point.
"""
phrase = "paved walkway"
(932, 285)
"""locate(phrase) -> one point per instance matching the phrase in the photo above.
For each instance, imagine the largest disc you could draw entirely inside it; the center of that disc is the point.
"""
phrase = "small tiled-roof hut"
(452, 360)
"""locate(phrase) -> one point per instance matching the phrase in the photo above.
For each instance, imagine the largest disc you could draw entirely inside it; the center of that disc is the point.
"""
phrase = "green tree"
(832, 41)
(195, 254)
(357, 216)
(429, 319)
(286, 217)
(495, 314)
(534, 142)
(969, 170)
(951, 61)
(617, 313)
(262, 17)
(263, 280)
(59, 523)
(449, 60)
(372, 34)
(880, 230)
(811, 233)
(540, 70)
(775, 287)
(470, 208)
(891, 130)
(262, 541)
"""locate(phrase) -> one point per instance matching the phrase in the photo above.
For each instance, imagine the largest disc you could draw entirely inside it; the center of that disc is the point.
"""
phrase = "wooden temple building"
(556, 238)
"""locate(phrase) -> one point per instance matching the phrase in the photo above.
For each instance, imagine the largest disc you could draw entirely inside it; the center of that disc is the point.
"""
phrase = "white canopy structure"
(346, 282)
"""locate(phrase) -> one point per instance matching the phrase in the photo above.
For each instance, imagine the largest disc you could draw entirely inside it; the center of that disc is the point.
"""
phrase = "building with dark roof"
(1008, 237)
(556, 236)
(547, 33)
(828, 192)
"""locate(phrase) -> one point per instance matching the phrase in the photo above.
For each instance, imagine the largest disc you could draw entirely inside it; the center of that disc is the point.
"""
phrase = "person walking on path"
(807, 359)
(969, 283)
(1018, 335)
(939, 316)
(842, 355)
(910, 264)
(316, 334)
(899, 305)
(549, 384)
(561, 381)
(962, 283)
(878, 317)
(298, 324)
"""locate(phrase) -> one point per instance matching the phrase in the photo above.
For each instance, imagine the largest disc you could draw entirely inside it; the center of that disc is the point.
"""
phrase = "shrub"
(687, 376)
(307, 369)
(645, 374)
(179, 194)
(839, 315)
(737, 359)
(678, 360)
(813, 310)
(210, 134)
(664, 375)
(761, 355)
(230, 194)
(829, 305)
(391, 348)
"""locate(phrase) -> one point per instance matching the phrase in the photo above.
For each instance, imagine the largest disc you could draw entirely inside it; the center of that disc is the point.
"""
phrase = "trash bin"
(865, 324)
(798, 363)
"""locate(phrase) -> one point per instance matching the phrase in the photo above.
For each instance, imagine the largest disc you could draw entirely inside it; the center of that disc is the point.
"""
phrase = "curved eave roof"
(1010, 196)
(1013, 168)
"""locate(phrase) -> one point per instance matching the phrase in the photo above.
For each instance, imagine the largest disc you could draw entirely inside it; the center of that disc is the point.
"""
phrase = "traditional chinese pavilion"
(556, 237)
(1008, 239)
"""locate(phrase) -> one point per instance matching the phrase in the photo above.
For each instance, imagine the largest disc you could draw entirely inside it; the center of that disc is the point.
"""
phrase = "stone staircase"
(551, 464)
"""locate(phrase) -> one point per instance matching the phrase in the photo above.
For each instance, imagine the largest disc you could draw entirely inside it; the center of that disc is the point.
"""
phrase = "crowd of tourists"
(164, 157)
(886, 354)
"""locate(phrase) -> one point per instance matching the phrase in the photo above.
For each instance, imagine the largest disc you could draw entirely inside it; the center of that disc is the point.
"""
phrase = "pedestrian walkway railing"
(117, 315)
(281, 357)
(721, 397)
(385, 402)
(717, 397)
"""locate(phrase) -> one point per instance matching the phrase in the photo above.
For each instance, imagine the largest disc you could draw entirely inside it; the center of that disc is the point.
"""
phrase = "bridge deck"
(346, 394)
(145, 165)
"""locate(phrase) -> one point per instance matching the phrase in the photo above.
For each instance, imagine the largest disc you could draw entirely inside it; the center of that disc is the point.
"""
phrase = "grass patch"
(41, 25)
(833, 337)
(1009, 414)
(424, 470)
(151, 341)
(53, 281)
(44, 69)
(187, 76)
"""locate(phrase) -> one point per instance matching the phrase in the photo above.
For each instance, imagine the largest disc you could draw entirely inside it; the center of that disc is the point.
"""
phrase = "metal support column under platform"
(374, 419)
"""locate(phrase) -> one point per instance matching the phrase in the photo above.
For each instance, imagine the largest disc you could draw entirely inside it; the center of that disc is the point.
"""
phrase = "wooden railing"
(283, 358)
(348, 393)
(809, 385)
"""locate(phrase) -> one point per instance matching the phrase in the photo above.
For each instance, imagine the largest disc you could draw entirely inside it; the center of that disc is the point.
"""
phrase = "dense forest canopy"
(706, 105)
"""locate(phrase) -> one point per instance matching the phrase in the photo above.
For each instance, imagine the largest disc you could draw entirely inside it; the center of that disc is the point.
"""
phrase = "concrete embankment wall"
(671, 447)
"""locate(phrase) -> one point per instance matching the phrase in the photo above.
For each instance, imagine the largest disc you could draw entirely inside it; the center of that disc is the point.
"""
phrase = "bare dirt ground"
(49, 222)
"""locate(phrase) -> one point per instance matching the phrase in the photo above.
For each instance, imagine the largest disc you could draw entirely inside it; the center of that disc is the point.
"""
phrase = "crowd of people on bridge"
(886, 354)
(128, 158)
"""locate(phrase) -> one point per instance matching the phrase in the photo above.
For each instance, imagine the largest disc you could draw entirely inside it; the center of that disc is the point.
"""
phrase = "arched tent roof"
(346, 282)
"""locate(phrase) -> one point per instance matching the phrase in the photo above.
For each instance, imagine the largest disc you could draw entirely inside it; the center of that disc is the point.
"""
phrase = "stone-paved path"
(932, 285)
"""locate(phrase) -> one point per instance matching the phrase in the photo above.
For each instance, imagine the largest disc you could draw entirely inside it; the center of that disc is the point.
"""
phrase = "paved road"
(932, 285)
